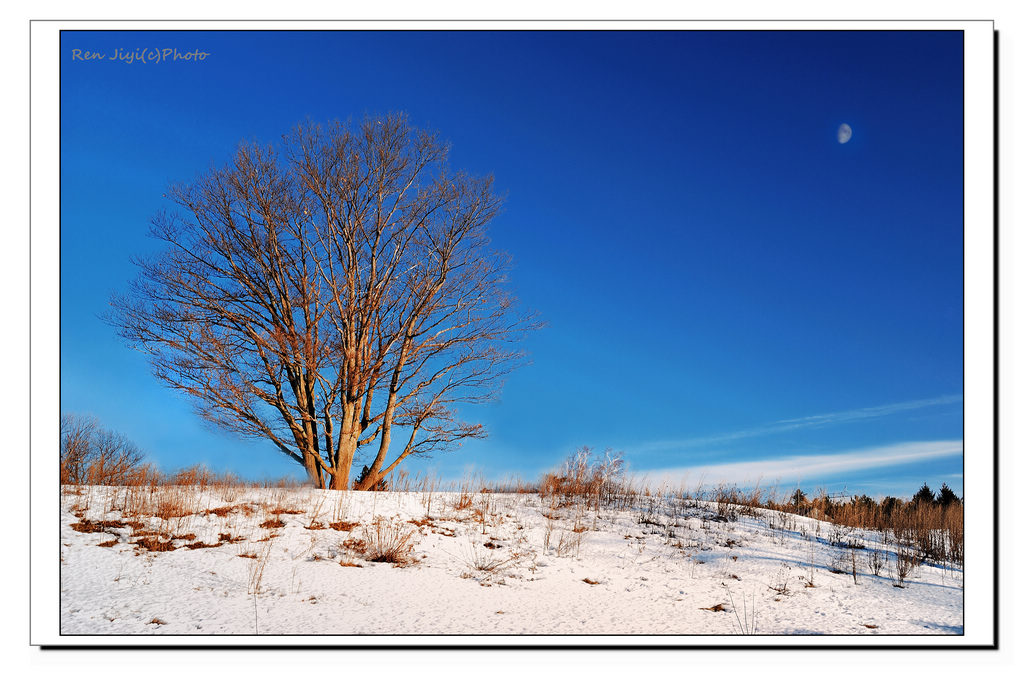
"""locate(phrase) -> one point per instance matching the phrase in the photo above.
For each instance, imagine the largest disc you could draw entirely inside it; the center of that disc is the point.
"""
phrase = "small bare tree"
(76, 437)
(331, 294)
(90, 454)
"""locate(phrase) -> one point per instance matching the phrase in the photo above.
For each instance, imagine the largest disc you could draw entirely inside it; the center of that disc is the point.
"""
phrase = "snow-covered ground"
(479, 564)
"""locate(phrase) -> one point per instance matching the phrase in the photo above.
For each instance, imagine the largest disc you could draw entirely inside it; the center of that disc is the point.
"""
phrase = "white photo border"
(980, 441)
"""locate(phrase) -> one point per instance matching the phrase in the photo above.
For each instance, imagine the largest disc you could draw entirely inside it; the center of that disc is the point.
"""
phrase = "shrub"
(877, 560)
(388, 541)
(584, 477)
(906, 560)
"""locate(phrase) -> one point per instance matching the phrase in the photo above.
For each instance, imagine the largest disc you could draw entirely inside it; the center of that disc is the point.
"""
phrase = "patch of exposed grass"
(343, 526)
(88, 526)
(154, 545)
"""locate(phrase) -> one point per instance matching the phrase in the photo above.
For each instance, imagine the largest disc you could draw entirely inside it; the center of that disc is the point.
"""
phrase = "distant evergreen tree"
(924, 496)
(380, 486)
(864, 501)
(947, 497)
(799, 499)
(889, 505)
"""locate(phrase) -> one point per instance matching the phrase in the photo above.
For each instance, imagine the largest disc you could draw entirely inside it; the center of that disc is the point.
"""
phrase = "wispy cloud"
(869, 412)
(793, 468)
(785, 425)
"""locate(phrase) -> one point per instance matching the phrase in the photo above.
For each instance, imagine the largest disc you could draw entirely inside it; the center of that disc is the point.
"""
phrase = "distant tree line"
(824, 504)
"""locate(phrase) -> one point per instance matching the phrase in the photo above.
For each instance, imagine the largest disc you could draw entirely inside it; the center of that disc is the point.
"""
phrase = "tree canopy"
(330, 294)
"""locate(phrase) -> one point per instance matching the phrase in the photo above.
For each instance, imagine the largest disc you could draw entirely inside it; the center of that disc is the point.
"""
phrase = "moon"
(845, 133)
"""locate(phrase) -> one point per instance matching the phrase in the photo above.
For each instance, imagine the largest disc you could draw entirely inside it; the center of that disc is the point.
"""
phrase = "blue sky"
(724, 282)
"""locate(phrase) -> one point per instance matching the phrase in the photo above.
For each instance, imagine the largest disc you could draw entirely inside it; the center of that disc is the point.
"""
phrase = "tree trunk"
(373, 475)
(313, 470)
(346, 453)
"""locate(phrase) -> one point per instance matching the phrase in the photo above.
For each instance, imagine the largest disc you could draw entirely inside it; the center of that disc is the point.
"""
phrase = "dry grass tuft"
(485, 559)
(389, 541)
(172, 503)
(588, 580)
(715, 608)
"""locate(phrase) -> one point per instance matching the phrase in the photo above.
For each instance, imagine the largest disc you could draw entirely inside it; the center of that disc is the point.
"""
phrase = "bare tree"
(90, 454)
(331, 294)
(77, 435)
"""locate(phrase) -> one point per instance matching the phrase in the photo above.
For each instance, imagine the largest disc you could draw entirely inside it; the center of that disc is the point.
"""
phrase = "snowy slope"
(502, 564)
